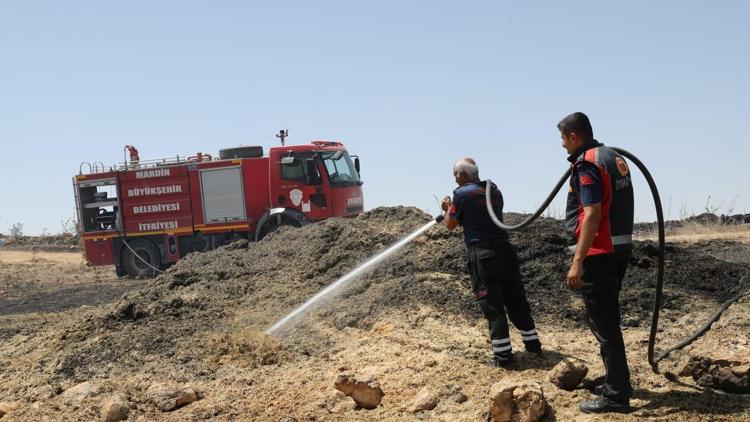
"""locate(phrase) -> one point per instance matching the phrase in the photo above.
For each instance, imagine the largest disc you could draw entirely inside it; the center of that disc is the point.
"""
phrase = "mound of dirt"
(265, 280)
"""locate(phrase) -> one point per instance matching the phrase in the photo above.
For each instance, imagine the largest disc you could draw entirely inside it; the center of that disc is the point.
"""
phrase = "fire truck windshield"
(341, 170)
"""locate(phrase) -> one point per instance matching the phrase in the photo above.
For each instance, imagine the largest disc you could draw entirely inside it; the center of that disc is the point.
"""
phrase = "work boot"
(503, 360)
(603, 405)
(536, 350)
(599, 390)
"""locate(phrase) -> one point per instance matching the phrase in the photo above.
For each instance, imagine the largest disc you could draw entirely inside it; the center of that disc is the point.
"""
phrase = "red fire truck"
(144, 215)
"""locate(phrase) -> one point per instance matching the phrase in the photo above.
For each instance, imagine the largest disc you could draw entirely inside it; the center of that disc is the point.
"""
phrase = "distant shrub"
(16, 230)
(69, 227)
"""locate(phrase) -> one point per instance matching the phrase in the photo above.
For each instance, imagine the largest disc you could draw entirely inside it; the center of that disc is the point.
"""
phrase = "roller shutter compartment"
(223, 195)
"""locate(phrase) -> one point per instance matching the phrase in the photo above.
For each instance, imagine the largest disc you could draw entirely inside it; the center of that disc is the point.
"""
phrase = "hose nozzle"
(439, 219)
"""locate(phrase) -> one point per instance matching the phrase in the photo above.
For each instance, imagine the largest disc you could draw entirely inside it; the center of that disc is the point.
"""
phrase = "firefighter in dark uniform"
(599, 224)
(493, 263)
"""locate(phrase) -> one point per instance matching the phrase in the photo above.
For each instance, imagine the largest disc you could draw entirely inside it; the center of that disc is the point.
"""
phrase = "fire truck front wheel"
(271, 225)
(141, 265)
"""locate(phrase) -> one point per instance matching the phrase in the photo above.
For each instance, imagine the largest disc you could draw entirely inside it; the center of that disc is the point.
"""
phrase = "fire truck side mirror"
(287, 161)
(356, 164)
(313, 175)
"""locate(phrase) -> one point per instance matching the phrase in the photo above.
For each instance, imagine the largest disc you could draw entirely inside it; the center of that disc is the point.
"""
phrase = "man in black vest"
(493, 263)
(599, 224)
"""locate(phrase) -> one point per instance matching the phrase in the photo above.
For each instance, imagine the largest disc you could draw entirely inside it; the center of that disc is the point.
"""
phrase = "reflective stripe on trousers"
(529, 335)
(501, 345)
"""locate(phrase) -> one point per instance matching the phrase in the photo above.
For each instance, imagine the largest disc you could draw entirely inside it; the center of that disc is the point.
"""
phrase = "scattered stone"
(366, 392)
(80, 392)
(568, 373)
(452, 392)
(590, 382)
(127, 310)
(337, 402)
(729, 372)
(530, 402)
(516, 401)
(167, 398)
(44, 392)
(113, 410)
(501, 396)
(423, 365)
(7, 407)
(237, 245)
(631, 322)
(459, 397)
(424, 400)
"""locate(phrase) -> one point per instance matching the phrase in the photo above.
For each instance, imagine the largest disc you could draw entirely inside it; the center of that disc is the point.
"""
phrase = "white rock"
(167, 398)
(424, 400)
(338, 402)
(80, 392)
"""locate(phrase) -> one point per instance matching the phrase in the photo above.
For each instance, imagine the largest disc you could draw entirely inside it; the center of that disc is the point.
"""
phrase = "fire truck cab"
(141, 216)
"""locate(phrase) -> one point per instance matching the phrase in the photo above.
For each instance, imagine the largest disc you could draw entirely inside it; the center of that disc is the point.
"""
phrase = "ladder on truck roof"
(98, 167)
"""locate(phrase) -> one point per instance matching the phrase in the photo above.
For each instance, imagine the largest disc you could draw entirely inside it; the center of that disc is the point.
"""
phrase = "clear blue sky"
(409, 86)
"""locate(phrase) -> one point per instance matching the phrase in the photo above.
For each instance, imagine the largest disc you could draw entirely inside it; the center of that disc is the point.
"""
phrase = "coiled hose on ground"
(652, 360)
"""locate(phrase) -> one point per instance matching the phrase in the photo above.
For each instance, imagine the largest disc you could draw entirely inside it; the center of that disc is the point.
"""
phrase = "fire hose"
(652, 359)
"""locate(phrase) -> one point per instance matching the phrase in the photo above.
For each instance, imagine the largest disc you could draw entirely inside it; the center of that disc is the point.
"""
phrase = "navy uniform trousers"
(602, 281)
(496, 282)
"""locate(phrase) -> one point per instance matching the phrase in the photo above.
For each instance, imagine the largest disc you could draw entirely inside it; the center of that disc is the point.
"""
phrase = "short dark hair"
(577, 123)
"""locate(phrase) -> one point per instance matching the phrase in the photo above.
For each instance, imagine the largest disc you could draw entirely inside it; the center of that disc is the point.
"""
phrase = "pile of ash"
(254, 284)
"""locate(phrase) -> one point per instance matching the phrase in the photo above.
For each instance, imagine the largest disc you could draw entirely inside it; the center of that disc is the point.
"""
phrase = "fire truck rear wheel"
(134, 266)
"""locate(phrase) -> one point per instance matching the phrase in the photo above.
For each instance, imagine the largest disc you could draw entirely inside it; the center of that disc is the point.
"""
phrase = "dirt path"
(739, 234)
(20, 256)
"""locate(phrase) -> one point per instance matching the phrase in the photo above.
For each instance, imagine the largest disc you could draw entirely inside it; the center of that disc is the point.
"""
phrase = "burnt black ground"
(261, 282)
(67, 297)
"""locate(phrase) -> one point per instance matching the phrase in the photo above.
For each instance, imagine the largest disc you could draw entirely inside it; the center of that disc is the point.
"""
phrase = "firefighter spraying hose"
(652, 359)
